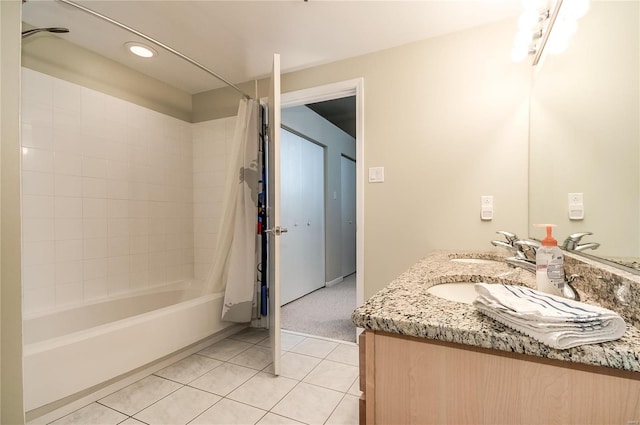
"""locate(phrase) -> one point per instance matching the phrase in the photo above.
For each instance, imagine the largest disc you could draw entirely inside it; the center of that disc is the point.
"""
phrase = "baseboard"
(334, 282)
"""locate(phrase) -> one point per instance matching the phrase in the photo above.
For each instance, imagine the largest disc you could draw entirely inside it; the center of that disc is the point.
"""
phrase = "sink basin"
(461, 292)
(474, 261)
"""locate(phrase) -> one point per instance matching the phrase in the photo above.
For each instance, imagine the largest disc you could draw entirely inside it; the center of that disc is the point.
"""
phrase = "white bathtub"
(68, 351)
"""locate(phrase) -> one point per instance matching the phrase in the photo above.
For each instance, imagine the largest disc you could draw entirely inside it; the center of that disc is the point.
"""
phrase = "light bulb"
(575, 9)
(528, 20)
(518, 54)
(523, 39)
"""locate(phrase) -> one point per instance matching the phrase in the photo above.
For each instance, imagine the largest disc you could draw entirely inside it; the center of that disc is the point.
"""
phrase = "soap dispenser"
(549, 264)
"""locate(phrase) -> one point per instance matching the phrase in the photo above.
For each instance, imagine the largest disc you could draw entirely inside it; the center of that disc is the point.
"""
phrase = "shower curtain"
(234, 265)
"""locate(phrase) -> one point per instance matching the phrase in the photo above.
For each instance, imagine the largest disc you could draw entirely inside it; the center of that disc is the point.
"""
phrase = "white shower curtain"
(234, 265)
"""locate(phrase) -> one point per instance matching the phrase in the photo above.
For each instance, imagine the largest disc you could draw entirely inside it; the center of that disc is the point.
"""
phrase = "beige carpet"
(325, 312)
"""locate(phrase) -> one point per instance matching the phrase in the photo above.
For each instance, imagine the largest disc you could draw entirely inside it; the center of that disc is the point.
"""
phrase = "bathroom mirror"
(585, 134)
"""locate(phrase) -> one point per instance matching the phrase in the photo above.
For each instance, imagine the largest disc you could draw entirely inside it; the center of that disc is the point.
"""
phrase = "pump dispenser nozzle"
(549, 240)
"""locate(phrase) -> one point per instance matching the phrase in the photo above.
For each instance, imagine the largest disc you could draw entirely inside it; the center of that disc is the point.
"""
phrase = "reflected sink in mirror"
(474, 261)
(461, 292)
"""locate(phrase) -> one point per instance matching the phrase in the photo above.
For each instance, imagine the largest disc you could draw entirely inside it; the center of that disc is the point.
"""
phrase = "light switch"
(376, 174)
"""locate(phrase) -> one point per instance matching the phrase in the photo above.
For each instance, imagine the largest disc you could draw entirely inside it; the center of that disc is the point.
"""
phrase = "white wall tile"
(67, 96)
(69, 294)
(35, 183)
(95, 248)
(94, 208)
(95, 268)
(66, 185)
(68, 228)
(94, 167)
(67, 163)
(66, 207)
(34, 206)
(40, 299)
(37, 160)
(94, 187)
(41, 252)
(95, 288)
(38, 229)
(94, 228)
(69, 272)
(118, 246)
(68, 250)
(107, 194)
(38, 275)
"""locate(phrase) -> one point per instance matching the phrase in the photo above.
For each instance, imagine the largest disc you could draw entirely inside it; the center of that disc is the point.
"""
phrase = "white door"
(273, 213)
(348, 187)
(302, 213)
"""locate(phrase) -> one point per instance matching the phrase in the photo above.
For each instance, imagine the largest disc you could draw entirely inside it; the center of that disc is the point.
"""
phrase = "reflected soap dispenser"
(549, 264)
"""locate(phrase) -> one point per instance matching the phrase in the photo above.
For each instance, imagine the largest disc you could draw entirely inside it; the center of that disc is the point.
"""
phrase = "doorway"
(343, 193)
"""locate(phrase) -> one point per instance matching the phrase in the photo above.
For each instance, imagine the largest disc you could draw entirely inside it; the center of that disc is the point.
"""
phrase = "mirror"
(585, 134)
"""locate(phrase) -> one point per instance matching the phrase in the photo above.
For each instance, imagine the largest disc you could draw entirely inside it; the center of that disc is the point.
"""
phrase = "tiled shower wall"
(108, 194)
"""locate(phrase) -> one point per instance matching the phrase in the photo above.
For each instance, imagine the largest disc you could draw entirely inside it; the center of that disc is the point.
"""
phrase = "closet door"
(302, 188)
(348, 204)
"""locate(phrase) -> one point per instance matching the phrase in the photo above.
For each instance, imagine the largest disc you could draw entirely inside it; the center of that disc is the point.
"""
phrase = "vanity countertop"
(405, 307)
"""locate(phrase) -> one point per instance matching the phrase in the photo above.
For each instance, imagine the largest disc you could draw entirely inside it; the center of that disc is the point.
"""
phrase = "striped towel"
(555, 321)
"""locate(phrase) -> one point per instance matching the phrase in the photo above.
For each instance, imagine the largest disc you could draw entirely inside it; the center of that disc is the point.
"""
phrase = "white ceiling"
(237, 39)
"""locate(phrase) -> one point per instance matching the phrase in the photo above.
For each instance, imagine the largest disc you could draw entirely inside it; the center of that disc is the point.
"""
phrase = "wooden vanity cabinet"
(419, 381)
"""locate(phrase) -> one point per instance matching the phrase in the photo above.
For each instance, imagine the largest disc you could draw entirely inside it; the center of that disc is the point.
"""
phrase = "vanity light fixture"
(140, 49)
(546, 24)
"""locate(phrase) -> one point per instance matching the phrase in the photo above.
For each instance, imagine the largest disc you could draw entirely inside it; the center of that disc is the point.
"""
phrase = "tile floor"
(232, 382)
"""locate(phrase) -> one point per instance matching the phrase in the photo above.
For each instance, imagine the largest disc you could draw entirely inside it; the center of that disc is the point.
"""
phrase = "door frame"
(332, 91)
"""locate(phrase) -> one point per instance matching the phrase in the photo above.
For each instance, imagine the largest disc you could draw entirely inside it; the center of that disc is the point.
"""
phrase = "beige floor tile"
(229, 412)
(345, 353)
(273, 419)
(263, 390)
(295, 366)
(255, 357)
(355, 388)
(346, 413)
(287, 341)
(189, 368)
(178, 408)
(225, 349)
(314, 347)
(92, 414)
(223, 379)
(308, 403)
(333, 375)
(251, 335)
(140, 395)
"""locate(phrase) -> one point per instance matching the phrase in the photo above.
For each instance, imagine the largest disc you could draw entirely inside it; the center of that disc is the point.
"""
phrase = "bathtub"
(68, 351)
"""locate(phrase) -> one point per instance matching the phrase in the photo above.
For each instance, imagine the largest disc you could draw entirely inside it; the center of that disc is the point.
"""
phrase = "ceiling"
(237, 39)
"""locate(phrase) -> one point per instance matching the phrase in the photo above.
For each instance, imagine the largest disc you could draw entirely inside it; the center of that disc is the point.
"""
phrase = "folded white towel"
(555, 321)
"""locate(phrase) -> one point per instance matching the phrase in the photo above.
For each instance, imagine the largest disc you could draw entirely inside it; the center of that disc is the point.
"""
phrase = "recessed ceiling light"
(140, 49)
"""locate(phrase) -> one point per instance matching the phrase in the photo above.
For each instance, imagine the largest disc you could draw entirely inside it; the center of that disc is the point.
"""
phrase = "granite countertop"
(405, 307)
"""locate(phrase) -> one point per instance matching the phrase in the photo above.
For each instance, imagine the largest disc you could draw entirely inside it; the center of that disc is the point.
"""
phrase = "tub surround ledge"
(405, 307)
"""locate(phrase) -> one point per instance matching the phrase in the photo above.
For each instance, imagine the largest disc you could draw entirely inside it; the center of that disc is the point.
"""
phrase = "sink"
(474, 261)
(461, 292)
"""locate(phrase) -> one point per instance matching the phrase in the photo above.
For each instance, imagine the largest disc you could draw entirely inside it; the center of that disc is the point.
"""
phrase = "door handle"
(277, 231)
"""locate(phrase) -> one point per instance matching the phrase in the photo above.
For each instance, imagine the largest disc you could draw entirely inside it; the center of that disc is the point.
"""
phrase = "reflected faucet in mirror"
(572, 242)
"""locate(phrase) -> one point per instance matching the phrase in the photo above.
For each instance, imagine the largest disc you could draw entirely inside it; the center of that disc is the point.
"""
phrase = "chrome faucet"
(572, 242)
(525, 257)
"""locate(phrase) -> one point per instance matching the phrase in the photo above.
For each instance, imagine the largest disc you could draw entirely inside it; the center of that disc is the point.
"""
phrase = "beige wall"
(57, 57)
(447, 118)
(11, 408)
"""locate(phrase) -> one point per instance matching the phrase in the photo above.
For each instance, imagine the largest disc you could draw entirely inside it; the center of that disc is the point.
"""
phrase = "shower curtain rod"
(156, 42)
